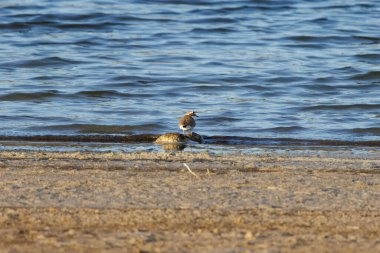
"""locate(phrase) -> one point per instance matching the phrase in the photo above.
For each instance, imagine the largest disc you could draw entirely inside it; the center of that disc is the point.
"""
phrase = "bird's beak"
(195, 115)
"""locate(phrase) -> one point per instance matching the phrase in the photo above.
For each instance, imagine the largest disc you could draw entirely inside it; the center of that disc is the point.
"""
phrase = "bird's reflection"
(173, 146)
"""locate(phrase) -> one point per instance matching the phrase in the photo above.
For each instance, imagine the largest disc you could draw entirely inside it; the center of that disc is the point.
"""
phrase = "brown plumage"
(187, 123)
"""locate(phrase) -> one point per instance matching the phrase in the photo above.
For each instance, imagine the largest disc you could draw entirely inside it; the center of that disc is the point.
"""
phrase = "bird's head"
(192, 114)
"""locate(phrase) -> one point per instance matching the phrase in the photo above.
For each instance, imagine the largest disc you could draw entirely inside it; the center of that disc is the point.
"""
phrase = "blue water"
(298, 69)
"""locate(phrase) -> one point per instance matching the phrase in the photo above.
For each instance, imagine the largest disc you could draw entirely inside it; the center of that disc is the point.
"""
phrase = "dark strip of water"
(216, 140)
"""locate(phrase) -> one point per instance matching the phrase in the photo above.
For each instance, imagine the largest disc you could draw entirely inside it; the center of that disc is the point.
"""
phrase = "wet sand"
(149, 202)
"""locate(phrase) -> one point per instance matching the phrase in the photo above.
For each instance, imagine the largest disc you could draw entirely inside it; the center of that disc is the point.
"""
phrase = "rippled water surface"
(298, 69)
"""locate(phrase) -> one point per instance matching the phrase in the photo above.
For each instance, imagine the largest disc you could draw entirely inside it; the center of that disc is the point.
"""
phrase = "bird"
(187, 122)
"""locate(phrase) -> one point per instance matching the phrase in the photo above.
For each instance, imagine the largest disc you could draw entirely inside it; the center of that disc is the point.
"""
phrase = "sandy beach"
(150, 202)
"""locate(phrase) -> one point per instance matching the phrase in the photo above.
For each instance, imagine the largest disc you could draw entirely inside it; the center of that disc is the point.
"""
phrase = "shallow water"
(219, 149)
(278, 69)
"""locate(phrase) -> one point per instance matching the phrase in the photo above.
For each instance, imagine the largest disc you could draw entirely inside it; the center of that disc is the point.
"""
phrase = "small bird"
(187, 123)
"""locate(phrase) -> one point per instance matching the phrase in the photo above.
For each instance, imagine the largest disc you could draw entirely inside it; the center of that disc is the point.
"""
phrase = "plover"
(187, 123)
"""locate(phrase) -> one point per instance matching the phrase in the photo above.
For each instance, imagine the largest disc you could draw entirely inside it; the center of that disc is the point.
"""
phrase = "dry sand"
(149, 202)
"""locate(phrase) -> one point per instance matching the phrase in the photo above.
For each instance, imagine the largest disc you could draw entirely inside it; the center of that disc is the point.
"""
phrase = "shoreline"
(216, 140)
(150, 202)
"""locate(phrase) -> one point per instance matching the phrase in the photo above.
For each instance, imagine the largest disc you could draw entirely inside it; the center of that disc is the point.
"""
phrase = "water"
(261, 69)
(269, 150)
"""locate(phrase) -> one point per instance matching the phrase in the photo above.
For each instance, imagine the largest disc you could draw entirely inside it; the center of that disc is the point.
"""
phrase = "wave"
(369, 57)
(58, 25)
(369, 130)
(40, 62)
(101, 94)
(288, 129)
(20, 96)
(309, 38)
(369, 76)
(213, 30)
(213, 20)
(45, 95)
(341, 107)
(100, 129)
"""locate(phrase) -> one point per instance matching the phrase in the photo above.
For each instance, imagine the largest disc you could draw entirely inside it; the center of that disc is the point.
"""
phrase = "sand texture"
(150, 202)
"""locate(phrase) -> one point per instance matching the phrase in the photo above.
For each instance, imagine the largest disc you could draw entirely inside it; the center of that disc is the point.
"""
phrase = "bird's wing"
(185, 121)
